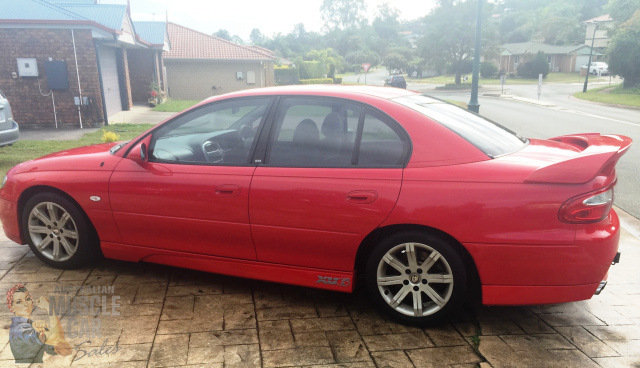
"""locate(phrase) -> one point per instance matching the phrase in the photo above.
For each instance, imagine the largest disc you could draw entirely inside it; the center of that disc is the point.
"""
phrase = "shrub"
(311, 69)
(286, 75)
(108, 136)
(317, 81)
(337, 80)
(488, 69)
(332, 71)
(532, 66)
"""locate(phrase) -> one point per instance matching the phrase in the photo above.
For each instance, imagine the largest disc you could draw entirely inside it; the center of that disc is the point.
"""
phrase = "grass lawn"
(551, 78)
(175, 105)
(27, 150)
(612, 95)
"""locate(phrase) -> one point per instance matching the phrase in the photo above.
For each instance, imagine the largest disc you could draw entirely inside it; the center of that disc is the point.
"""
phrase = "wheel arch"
(370, 241)
(37, 189)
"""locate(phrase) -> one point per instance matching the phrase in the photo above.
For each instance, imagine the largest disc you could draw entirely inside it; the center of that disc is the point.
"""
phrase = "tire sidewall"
(85, 251)
(445, 248)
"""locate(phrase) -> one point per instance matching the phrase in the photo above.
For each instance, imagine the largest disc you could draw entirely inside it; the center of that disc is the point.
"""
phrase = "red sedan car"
(320, 186)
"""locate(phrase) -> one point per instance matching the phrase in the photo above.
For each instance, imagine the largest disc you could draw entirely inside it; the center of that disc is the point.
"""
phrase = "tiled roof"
(152, 32)
(36, 10)
(109, 15)
(533, 47)
(187, 43)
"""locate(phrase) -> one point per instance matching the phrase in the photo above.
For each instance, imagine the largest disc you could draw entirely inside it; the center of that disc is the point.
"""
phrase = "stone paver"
(170, 317)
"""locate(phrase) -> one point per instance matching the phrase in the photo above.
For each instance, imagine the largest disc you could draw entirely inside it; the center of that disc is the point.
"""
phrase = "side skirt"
(310, 277)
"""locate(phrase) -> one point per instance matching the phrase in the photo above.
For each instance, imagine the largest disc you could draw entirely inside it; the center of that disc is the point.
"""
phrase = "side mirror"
(140, 153)
(143, 152)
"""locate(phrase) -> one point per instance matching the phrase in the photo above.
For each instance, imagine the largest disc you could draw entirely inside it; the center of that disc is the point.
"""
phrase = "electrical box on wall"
(57, 75)
(27, 67)
(239, 76)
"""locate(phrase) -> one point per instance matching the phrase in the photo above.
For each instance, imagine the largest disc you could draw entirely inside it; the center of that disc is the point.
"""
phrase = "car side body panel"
(318, 217)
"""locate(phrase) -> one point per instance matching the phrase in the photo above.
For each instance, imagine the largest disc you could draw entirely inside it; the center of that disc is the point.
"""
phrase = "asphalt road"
(566, 115)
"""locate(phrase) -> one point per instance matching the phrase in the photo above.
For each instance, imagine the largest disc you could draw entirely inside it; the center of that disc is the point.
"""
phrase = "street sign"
(366, 67)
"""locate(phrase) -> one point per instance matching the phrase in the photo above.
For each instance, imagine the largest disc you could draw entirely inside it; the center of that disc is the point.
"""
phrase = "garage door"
(580, 61)
(110, 81)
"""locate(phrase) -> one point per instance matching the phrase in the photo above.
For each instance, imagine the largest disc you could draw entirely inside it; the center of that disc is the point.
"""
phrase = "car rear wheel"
(58, 232)
(416, 278)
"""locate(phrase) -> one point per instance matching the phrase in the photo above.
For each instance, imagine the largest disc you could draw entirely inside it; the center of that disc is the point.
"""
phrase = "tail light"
(587, 208)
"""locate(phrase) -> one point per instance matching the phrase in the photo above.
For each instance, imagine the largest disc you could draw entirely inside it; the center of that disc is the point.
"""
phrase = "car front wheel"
(416, 278)
(58, 232)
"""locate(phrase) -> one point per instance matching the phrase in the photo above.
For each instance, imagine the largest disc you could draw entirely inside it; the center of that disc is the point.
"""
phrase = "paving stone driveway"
(175, 317)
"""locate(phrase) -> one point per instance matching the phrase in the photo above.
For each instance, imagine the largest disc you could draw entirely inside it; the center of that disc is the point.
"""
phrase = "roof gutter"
(63, 22)
(213, 59)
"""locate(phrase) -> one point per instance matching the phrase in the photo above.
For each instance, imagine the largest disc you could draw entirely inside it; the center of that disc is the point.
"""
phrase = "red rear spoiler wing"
(599, 154)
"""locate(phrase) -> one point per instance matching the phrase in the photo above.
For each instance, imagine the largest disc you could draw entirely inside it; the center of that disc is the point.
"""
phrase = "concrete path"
(140, 114)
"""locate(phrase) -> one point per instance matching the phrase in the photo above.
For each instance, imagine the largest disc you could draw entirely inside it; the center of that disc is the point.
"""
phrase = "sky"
(239, 17)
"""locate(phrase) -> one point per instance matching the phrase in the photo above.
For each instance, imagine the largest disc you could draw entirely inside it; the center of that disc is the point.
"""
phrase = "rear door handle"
(362, 197)
(228, 190)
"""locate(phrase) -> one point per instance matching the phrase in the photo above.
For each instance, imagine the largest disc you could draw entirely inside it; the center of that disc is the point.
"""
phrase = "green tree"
(449, 35)
(327, 57)
(342, 14)
(395, 60)
(623, 52)
(256, 37)
(223, 33)
(622, 10)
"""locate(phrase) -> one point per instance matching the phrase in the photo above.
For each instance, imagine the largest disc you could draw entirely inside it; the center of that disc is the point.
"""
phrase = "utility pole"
(473, 104)
(586, 79)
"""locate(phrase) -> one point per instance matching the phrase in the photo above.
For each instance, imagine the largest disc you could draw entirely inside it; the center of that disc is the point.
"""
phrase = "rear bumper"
(538, 274)
(11, 135)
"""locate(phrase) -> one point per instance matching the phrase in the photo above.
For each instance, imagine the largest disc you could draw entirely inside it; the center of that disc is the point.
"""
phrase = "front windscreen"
(491, 138)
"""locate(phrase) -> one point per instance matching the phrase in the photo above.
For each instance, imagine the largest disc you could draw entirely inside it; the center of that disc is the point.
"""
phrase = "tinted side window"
(221, 133)
(381, 144)
(314, 132)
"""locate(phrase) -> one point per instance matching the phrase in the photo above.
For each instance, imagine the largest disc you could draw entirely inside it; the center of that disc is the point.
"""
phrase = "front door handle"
(228, 190)
(362, 197)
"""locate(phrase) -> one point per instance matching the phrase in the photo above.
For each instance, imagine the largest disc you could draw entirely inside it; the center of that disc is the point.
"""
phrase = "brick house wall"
(30, 108)
(195, 80)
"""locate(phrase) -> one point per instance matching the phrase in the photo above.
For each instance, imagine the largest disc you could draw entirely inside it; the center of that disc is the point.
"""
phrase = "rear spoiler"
(598, 155)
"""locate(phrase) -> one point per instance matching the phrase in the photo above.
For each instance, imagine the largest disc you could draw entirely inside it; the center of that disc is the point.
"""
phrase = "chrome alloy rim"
(415, 279)
(53, 231)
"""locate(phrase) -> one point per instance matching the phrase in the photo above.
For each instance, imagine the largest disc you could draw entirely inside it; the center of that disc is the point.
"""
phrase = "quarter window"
(381, 145)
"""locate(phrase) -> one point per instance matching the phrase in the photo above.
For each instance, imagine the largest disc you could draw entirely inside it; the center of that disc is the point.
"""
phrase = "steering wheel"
(212, 151)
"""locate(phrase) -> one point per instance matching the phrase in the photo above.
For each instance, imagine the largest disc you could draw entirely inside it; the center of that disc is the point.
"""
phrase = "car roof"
(321, 89)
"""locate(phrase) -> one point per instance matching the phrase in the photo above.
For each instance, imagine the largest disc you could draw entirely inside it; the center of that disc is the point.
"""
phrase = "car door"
(326, 181)
(192, 193)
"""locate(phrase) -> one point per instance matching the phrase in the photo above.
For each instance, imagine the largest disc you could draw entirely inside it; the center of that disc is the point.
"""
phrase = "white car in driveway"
(9, 131)
(598, 67)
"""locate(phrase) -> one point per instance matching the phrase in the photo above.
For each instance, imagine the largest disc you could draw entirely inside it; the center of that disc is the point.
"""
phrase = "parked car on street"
(598, 67)
(423, 202)
(396, 81)
(9, 130)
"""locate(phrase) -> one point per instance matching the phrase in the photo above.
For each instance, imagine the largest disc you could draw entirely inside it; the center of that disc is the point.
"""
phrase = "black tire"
(439, 283)
(58, 232)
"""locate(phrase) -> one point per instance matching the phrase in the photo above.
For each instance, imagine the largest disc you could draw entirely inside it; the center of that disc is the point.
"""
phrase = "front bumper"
(9, 219)
(11, 135)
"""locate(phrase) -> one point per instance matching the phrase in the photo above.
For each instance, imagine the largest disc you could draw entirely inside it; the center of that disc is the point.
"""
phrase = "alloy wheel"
(53, 231)
(415, 279)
